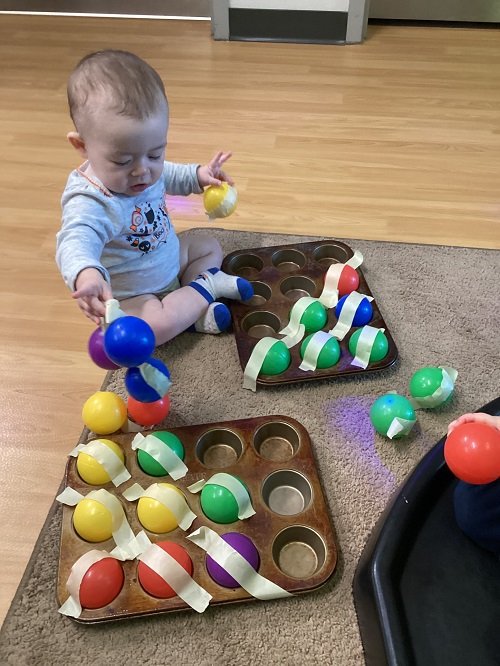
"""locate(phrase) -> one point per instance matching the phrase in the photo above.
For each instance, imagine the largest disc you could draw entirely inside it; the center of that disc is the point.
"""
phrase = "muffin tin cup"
(291, 528)
(283, 274)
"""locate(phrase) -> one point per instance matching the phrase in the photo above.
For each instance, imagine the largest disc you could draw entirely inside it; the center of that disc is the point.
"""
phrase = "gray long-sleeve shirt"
(130, 240)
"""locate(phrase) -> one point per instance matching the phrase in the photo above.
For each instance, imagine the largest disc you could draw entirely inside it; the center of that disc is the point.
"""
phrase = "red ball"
(102, 583)
(152, 582)
(472, 452)
(148, 414)
(348, 281)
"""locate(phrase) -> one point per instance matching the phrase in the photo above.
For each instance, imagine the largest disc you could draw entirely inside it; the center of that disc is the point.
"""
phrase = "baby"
(477, 507)
(117, 239)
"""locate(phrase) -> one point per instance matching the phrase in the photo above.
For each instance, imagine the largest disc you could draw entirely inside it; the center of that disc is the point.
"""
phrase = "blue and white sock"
(214, 320)
(213, 284)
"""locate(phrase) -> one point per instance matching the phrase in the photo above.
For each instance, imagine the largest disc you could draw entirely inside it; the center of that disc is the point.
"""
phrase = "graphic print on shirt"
(150, 226)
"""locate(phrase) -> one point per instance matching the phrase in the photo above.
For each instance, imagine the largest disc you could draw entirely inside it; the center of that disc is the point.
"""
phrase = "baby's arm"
(479, 417)
(184, 179)
(92, 292)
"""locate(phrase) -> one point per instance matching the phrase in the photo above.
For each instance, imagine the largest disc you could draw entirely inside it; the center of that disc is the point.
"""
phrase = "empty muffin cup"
(219, 448)
(329, 254)
(288, 260)
(246, 265)
(287, 492)
(261, 324)
(261, 293)
(299, 552)
(276, 441)
(296, 286)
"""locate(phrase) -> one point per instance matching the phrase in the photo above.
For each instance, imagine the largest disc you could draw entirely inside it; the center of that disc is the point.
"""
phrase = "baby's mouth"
(138, 188)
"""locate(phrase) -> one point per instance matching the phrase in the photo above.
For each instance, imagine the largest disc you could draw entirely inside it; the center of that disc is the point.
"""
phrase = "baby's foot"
(213, 284)
(215, 319)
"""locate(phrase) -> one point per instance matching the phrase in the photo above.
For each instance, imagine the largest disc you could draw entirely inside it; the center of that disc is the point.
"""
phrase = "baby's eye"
(154, 157)
(121, 163)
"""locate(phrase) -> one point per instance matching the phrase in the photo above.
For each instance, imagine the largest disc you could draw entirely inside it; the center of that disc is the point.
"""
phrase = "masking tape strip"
(70, 496)
(155, 378)
(346, 318)
(225, 205)
(292, 340)
(72, 606)
(169, 497)
(113, 311)
(235, 487)
(442, 393)
(296, 315)
(313, 350)
(162, 453)
(176, 576)
(130, 426)
(356, 260)
(252, 368)
(236, 565)
(364, 346)
(400, 426)
(330, 295)
(126, 542)
(106, 457)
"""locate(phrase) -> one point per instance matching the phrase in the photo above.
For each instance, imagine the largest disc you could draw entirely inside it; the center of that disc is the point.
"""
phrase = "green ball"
(149, 465)
(314, 317)
(388, 407)
(425, 382)
(219, 504)
(277, 359)
(328, 356)
(379, 349)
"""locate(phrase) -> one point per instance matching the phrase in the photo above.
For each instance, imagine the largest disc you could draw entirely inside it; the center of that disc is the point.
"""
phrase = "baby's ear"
(78, 143)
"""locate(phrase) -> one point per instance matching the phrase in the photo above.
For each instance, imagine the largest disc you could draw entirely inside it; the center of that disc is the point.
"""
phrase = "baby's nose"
(139, 169)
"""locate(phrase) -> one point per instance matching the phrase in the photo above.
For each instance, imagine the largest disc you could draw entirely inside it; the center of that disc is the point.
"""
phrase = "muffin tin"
(291, 528)
(280, 275)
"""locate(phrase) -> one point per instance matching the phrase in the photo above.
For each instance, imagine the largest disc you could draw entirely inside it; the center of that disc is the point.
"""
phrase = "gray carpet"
(441, 305)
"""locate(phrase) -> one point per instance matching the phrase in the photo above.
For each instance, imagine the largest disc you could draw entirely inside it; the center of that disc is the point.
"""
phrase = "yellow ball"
(104, 413)
(92, 521)
(155, 516)
(220, 200)
(92, 471)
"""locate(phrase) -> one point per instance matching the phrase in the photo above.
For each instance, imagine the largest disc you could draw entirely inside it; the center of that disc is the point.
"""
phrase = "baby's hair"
(119, 80)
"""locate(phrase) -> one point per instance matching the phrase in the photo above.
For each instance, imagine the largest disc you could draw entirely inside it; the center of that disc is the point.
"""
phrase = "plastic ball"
(104, 412)
(138, 387)
(363, 314)
(154, 584)
(92, 471)
(379, 349)
(348, 280)
(155, 516)
(92, 521)
(129, 341)
(97, 353)
(245, 547)
(152, 467)
(102, 583)
(328, 356)
(425, 382)
(219, 504)
(277, 359)
(148, 414)
(472, 452)
(314, 317)
(220, 200)
(388, 407)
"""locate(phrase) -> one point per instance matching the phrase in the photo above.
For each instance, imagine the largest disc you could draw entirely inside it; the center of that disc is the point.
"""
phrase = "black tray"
(425, 594)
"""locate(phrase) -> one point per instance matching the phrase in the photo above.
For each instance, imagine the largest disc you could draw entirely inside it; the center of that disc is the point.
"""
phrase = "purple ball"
(97, 353)
(245, 547)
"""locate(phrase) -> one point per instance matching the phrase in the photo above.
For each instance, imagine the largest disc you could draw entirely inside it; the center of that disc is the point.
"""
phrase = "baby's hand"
(92, 292)
(479, 417)
(212, 174)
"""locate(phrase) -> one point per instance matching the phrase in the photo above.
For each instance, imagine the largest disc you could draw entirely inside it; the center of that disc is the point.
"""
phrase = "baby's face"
(126, 154)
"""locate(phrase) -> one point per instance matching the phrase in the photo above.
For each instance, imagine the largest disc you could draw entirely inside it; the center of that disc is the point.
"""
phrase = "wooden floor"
(396, 139)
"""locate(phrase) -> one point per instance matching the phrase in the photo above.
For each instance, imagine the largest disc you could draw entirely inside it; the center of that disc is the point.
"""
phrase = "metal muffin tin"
(291, 528)
(280, 275)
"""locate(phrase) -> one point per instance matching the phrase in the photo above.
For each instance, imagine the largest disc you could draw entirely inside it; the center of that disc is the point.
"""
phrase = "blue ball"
(363, 315)
(129, 341)
(138, 387)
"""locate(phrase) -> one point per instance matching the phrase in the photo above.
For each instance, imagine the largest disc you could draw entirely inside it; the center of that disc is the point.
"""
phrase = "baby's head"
(120, 111)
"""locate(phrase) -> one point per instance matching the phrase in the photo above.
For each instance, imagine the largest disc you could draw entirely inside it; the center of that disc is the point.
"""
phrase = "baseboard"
(277, 25)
